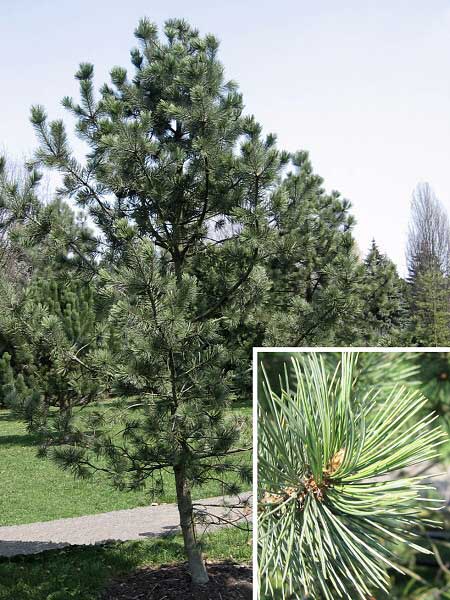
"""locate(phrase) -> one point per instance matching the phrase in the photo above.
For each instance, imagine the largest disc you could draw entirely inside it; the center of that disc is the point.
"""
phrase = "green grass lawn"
(35, 489)
(81, 573)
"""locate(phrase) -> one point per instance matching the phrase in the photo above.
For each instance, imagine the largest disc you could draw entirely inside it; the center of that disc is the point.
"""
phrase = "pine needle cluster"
(332, 507)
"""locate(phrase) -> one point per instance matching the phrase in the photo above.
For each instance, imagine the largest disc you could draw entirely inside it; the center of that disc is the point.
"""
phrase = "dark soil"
(227, 581)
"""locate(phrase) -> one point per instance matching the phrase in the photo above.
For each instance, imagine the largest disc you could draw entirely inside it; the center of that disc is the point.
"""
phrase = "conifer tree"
(51, 326)
(6, 378)
(316, 278)
(431, 307)
(47, 320)
(434, 380)
(15, 259)
(13, 387)
(176, 176)
(384, 318)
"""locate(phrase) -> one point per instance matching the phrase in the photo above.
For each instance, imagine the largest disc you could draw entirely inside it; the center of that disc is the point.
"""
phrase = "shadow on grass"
(6, 415)
(18, 548)
(242, 405)
(22, 440)
(168, 530)
(80, 572)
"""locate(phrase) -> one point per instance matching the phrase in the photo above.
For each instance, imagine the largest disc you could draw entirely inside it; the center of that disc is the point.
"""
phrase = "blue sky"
(364, 86)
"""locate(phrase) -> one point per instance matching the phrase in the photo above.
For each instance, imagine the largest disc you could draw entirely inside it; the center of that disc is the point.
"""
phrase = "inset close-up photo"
(353, 477)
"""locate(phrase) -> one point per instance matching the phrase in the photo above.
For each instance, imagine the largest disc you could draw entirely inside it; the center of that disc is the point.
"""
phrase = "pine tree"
(47, 320)
(51, 326)
(72, 301)
(315, 273)
(434, 380)
(6, 379)
(202, 238)
(15, 259)
(430, 306)
(72, 304)
(176, 176)
(13, 387)
(385, 307)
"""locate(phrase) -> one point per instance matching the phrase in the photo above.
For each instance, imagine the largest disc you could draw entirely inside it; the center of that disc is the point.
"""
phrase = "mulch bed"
(227, 581)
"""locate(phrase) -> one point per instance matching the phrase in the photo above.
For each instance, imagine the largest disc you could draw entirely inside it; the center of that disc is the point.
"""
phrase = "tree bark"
(196, 564)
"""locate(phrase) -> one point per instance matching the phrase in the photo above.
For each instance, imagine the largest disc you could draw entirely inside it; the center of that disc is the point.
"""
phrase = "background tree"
(49, 309)
(429, 232)
(434, 378)
(15, 259)
(431, 310)
(385, 312)
(51, 326)
(6, 379)
(428, 259)
(314, 272)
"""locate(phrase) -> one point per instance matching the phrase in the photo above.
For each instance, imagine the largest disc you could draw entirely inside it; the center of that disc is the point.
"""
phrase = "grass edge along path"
(36, 490)
(83, 572)
(122, 525)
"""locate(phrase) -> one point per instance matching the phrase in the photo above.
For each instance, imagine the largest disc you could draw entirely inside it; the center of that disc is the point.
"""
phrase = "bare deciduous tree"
(429, 233)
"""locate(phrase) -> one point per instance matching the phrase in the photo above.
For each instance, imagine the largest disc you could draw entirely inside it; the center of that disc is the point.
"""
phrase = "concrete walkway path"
(120, 525)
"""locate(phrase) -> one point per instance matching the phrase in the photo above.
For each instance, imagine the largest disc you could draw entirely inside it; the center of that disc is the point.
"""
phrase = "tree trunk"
(184, 500)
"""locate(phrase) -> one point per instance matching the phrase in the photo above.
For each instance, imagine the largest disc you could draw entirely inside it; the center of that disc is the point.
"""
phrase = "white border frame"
(260, 349)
